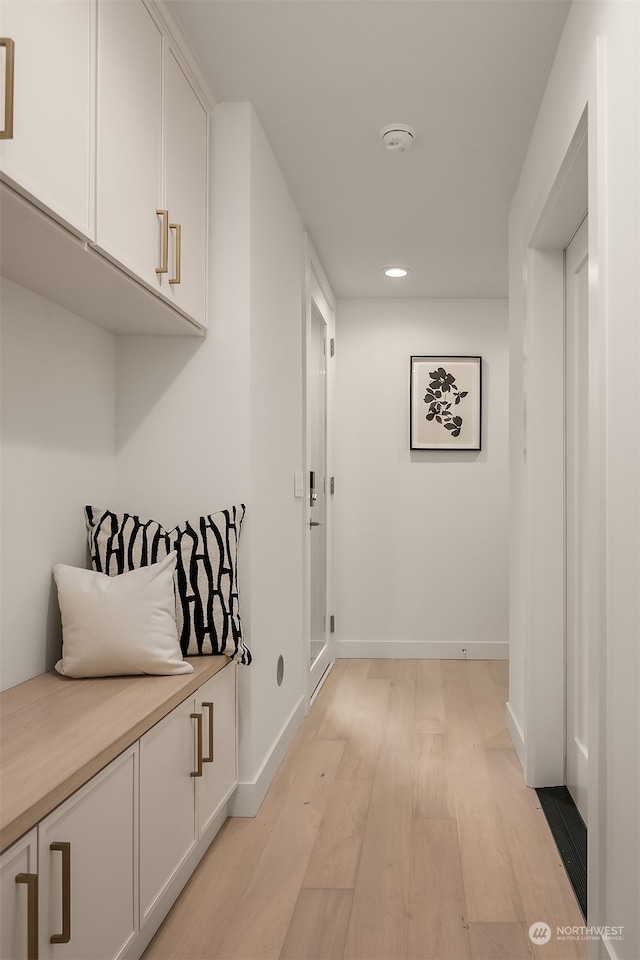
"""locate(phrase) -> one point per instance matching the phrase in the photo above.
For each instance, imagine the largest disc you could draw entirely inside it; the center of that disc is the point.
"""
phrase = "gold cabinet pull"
(31, 880)
(178, 261)
(164, 266)
(65, 850)
(9, 59)
(198, 719)
(209, 756)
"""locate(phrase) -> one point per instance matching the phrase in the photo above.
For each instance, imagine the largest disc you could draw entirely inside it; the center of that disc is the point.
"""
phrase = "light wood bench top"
(56, 733)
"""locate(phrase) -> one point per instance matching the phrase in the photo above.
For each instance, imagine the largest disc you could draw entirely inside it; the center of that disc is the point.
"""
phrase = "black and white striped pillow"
(206, 578)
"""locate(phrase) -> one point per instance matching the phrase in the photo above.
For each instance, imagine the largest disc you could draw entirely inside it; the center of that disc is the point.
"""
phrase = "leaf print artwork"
(442, 396)
(445, 403)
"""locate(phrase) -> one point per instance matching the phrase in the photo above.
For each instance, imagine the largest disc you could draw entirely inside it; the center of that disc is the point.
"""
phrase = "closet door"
(46, 152)
(129, 138)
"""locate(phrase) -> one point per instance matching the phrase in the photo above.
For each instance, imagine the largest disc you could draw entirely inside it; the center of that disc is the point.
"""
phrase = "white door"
(317, 426)
(577, 420)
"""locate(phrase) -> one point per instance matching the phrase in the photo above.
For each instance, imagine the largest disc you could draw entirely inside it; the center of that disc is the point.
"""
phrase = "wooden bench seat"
(56, 733)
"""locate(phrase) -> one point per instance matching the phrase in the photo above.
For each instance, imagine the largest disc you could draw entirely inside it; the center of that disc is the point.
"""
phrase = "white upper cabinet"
(185, 191)
(129, 137)
(48, 154)
(151, 158)
(104, 132)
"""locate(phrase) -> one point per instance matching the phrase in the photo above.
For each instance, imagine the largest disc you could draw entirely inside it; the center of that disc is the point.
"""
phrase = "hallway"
(398, 826)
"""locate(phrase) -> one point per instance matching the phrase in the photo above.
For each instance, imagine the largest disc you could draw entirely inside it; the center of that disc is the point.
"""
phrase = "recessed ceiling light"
(395, 272)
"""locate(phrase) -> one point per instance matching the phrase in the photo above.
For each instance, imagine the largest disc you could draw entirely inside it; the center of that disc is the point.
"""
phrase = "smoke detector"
(397, 137)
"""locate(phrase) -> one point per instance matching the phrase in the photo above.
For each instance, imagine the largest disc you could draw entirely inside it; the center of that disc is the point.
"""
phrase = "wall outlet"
(298, 483)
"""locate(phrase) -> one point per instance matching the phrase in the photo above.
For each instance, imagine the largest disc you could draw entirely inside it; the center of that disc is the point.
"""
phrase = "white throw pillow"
(117, 626)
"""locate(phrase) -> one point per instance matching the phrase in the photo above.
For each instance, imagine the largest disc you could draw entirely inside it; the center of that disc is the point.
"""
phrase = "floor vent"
(570, 834)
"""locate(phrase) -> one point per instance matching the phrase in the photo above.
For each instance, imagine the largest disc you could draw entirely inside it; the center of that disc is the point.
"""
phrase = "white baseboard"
(250, 794)
(515, 732)
(421, 650)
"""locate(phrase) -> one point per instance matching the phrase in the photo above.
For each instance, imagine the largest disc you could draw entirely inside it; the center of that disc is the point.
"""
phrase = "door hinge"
(332, 347)
(332, 624)
(332, 484)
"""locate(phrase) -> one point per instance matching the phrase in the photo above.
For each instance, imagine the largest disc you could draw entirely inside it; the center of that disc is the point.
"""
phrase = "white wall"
(58, 453)
(204, 424)
(172, 428)
(275, 387)
(421, 536)
(597, 67)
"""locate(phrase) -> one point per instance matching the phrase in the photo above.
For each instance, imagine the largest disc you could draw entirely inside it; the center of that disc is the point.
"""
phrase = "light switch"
(298, 483)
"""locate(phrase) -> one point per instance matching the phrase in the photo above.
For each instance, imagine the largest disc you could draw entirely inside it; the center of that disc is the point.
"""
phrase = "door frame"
(577, 501)
(318, 298)
(542, 745)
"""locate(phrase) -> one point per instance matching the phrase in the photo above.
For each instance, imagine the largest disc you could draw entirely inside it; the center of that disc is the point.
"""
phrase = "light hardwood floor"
(397, 828)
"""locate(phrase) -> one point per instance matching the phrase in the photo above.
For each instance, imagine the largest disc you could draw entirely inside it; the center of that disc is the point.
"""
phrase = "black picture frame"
(445, 402)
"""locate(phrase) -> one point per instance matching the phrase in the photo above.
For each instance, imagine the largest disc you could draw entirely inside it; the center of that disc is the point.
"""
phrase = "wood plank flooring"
(397, 828)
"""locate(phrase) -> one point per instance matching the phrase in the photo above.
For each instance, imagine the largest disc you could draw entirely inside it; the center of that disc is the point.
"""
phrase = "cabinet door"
(49, 155)
(216, 701)
(186, 191)
(90, 913)
(18, 898)
(167, 802)
(129, 138)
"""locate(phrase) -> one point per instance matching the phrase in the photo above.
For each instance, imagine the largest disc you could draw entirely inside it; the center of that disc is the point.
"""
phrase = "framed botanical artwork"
(445, 398)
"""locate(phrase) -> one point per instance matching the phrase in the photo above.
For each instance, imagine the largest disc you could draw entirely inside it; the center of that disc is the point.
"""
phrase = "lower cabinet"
(19, 899)
(187, 772)
(216, 702)
(69, 886)
(96, 877)
(167, 807)
(87, 863)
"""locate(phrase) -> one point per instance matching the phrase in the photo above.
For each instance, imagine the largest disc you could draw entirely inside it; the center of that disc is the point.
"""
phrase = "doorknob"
(314, 523)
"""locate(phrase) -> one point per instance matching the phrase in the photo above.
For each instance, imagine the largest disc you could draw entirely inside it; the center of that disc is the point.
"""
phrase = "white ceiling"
(325, 75)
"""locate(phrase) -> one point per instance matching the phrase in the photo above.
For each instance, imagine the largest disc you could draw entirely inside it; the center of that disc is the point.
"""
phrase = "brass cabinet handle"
(7, 133)
(178, 262)
(209, 756)
(198, 719)
(65, 850)
(164, 267)
(31, 880)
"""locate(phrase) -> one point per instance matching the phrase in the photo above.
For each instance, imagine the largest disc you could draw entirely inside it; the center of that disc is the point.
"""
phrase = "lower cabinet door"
(19, 899)
(87, 858)
(167, 803)
(216, 701)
